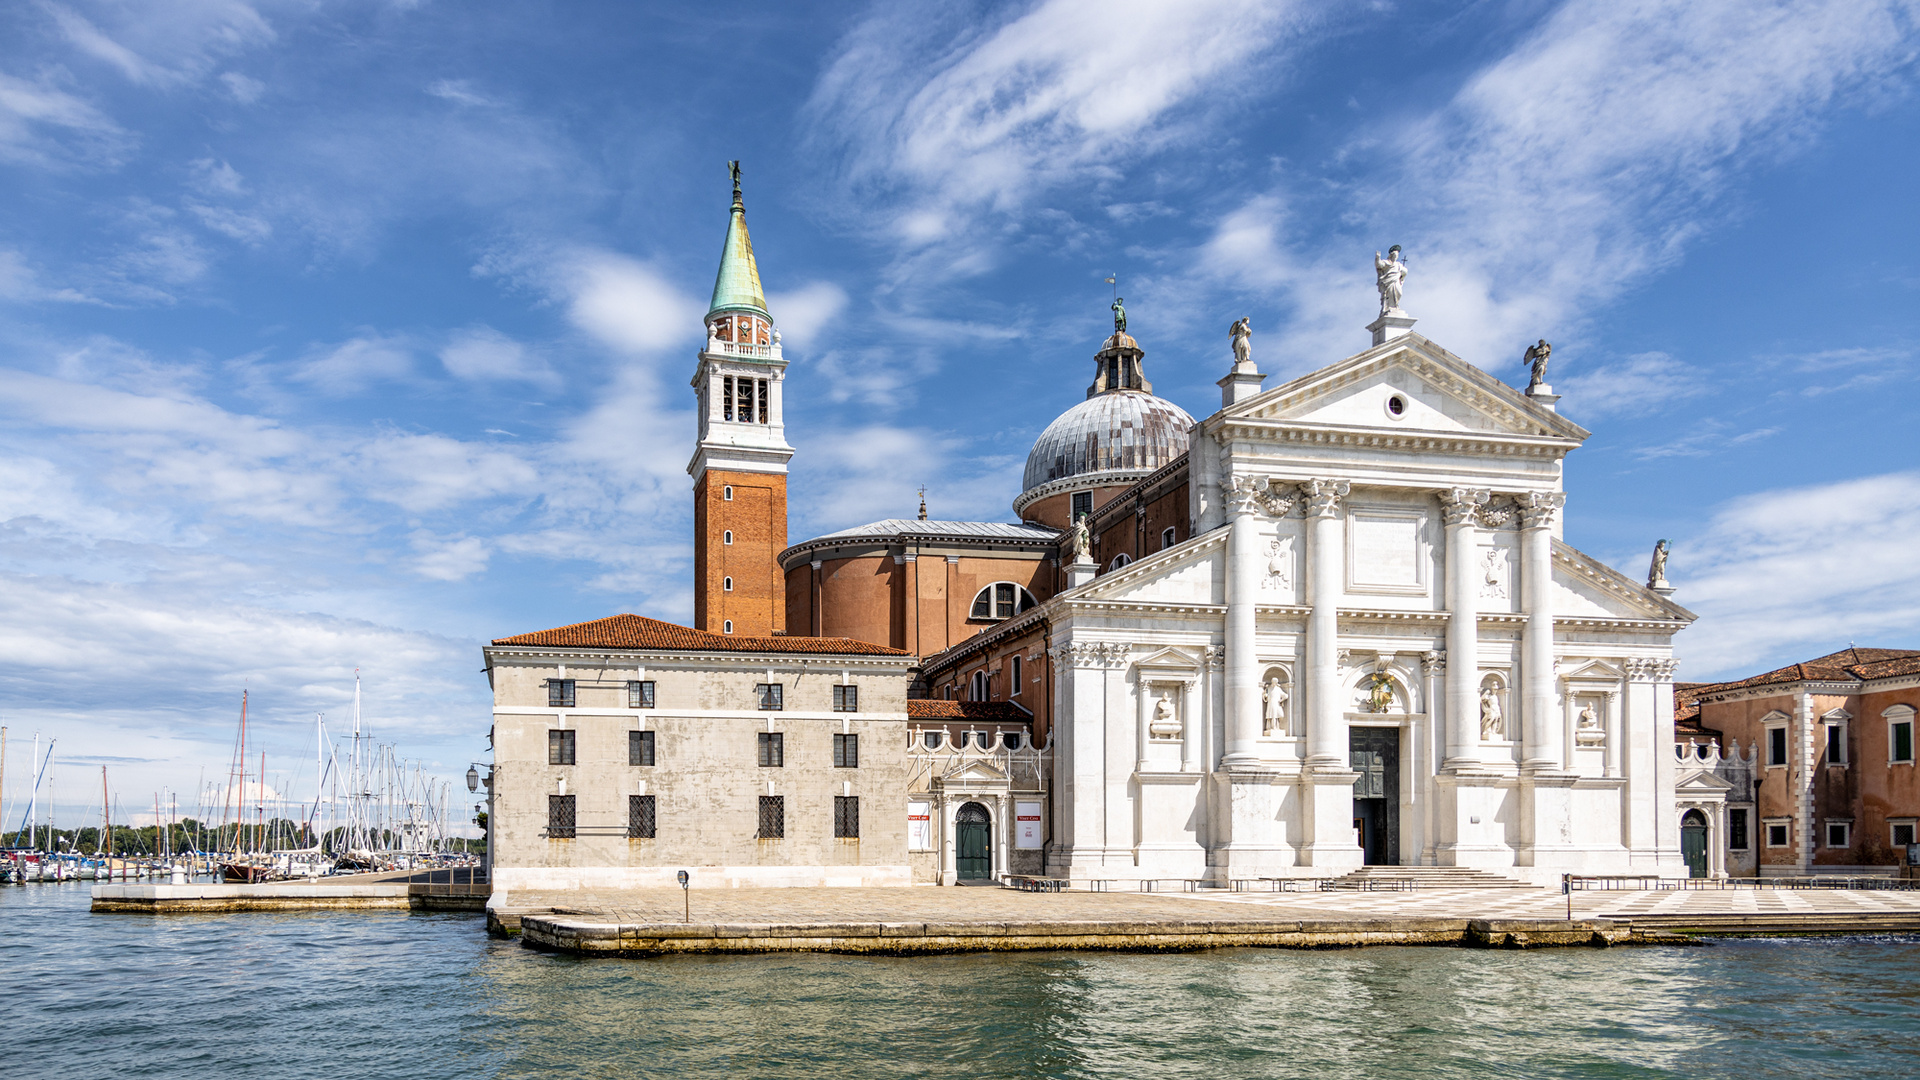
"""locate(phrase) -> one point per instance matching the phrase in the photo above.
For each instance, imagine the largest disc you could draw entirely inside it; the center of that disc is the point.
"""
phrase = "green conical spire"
(737, 288)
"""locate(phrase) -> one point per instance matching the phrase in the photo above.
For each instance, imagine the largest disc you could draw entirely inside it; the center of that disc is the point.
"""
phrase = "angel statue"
(1657, 570)
(1491, 720)
(1392, 273)
(1537, 356)
(1242, 334)
(1081, 539)
(1119, 314)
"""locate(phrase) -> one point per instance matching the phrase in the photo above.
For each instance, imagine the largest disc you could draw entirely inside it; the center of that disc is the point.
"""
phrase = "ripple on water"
(392, 995)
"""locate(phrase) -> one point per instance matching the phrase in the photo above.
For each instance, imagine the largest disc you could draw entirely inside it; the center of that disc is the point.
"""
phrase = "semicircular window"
(1001, 600)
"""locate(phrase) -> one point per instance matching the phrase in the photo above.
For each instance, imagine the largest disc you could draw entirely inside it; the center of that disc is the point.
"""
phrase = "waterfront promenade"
(926, 919)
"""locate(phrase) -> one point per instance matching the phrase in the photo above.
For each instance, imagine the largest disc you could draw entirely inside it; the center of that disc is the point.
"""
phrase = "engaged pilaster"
(1243, 593)
(1544, 734)
(1460, 509)
(1326, 722)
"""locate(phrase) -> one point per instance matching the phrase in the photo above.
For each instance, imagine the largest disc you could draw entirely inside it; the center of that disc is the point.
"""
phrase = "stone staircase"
(1389, 878)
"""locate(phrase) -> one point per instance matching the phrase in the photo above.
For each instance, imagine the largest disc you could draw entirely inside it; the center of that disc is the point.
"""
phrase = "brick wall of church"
(757, 518)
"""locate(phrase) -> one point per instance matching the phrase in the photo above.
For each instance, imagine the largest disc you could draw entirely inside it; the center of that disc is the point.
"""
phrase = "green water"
(336, 995)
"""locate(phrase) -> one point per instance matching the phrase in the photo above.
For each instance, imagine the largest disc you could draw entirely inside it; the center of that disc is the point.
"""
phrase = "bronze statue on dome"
(1119, 315)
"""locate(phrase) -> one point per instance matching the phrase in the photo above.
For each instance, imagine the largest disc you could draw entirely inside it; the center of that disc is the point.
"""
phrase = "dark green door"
(1693, 843)
(973, 843)
(1374, 753)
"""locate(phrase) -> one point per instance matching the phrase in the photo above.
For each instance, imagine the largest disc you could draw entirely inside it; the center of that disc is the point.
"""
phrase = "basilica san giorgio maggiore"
(1331, 625)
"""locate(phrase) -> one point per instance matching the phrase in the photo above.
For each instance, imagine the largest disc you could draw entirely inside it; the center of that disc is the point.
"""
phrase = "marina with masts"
(370, 812)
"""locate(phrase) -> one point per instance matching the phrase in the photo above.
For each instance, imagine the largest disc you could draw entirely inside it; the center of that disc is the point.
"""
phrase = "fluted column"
(1326, 558)
(1460, 508)
(1545, 736)
(1243, 593)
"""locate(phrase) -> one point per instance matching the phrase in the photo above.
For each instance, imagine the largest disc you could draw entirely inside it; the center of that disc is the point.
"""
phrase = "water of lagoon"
(395, 995)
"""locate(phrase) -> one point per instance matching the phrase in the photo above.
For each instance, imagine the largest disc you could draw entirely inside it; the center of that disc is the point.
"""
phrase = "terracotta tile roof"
(1844, 666)
(997, 711)
(639, 632)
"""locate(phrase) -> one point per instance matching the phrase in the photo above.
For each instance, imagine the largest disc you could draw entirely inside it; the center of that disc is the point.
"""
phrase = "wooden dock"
(438, 890)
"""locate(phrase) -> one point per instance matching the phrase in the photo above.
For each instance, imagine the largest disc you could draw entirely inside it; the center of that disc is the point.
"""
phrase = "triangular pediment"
(1169, 659)
(1408, 384)
(1699, 780)
(1594, 671)
(1189, 573)
(977, 771)
(1585, 587)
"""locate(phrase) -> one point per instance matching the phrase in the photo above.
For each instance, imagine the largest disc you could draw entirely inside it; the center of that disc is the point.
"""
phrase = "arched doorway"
(1693, 843)
(973, 843)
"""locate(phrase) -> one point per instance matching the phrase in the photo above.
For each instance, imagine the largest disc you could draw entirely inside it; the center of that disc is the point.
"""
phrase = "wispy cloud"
(1789, 574)
(483, 353)
(41, 124)
(173, 42)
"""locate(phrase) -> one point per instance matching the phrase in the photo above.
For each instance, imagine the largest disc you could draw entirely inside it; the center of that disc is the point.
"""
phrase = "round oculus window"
(1396, 406)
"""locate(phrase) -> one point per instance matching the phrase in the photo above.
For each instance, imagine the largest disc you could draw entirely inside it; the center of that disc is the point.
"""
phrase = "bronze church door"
(1374, 753)
(973, 843)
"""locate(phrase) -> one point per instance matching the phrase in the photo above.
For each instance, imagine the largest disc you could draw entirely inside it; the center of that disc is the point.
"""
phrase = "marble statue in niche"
(1492, 719)
(1273, 707)
(1587, 729)
(1166, 718)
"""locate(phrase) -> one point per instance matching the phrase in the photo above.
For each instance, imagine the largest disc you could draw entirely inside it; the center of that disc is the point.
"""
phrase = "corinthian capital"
(1243, 497)
(1323, 496)
(1538, 507)
(1460, 506)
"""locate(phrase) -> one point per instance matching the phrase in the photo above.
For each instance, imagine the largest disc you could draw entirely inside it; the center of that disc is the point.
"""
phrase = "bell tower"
(739, 465)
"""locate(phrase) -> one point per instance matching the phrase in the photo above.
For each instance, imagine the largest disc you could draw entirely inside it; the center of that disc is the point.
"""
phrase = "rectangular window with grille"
(559, 693)
(770, 696)
(763, 399)
(846, 817)
(846, 751)
(560, 817)
(640, 694)
(1082, 504)
(726, 382)
(640, 819)
(639, 747)
(772, 751)
(560, 747)
(846, 699)
(1737, 830)
(773, 817)
(1777, 834)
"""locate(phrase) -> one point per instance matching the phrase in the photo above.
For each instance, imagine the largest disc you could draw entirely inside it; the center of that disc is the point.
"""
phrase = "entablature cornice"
(1465, 444)
(1828, 688)
(597, 658)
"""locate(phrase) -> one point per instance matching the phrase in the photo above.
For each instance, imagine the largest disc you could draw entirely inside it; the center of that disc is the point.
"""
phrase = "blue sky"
(350, 335)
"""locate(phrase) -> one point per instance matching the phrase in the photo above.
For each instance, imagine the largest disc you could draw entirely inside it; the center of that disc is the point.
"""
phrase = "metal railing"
(1637, 883)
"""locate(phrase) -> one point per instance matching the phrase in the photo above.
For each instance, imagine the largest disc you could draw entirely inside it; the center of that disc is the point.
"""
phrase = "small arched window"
(726, 537)
(978, 689)
(726, 584)
(726, 492)
(727, 627)
(1001, 600)
(1120, 560)
(1166, 538)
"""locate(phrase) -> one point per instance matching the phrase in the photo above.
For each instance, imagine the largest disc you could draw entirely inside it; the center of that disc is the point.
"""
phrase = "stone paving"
(933, 904)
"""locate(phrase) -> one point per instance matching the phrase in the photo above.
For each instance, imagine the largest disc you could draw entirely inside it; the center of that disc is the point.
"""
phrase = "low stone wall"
(286, 896)
(585, 935)
(510, 879)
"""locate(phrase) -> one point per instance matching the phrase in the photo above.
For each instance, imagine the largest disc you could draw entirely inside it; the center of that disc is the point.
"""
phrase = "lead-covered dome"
(1116, 435)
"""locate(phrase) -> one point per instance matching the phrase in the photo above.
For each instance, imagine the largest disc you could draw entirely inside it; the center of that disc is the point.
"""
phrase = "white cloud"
(354, 364)
(481, 352)
(178, 41)
(449, 558)
(458, 91)
(245, 90)
(949, 121)
(44, 125)
(1641, 384)
(1796, 573)
(628, 304)
(804, 312)
(1589, 156)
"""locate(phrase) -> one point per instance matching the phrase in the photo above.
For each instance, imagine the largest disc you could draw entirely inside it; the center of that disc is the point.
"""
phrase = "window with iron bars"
(846, 699)
(640, 694)
(559, 693)
(773, 817)
(560, 817)
(846, 751)
(770, 696)
(846, 817)
(772, 750)
(639, 747)
(640, 820)
(560, 747)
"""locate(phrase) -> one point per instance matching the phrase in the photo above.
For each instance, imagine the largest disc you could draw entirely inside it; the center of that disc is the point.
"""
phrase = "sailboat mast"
(106, 817)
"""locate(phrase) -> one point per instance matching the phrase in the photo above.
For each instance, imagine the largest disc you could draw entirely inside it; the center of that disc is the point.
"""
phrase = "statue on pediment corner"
(1391, 275)
(1242, 334)
(1537, 355)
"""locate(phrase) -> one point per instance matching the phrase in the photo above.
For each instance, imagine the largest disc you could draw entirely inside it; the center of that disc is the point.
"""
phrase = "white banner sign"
(919, 826)
(1026, 825)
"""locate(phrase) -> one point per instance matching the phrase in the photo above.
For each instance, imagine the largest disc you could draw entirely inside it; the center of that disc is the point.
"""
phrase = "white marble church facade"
(1375, 648)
